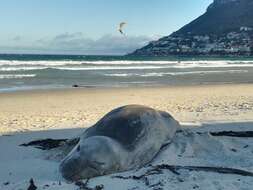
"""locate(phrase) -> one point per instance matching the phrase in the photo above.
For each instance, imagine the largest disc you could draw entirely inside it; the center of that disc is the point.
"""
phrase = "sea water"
(63, 71)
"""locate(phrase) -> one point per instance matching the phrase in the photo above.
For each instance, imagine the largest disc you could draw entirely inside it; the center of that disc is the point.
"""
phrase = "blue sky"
(90, 26)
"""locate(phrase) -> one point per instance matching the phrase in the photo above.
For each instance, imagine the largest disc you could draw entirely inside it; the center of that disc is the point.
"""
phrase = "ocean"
(24, 72)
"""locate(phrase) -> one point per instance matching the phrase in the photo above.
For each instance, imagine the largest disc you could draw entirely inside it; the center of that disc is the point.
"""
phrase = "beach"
(103, 96)
(202, 110)
(81, 107)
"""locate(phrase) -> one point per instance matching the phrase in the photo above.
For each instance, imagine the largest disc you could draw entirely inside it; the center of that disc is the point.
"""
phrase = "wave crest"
(17, 76)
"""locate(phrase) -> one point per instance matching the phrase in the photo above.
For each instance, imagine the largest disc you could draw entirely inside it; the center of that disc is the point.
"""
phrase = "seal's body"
(126, 138)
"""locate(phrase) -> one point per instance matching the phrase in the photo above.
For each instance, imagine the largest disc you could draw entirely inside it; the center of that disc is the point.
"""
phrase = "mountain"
(226, 28)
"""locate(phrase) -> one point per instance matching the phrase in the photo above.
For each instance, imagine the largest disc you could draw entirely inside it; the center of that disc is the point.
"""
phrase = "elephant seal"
(126, 138)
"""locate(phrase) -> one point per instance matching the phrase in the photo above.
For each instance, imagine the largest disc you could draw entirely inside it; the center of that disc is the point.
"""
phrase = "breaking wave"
(118, 65)
(119, 72)
(17, 76)
(188, 63)
(161, 74)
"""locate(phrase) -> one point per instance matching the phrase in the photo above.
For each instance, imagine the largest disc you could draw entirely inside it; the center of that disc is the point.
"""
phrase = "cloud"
(120, 44)
(71, 42)
(77, 43)
(16, 38)
(107, 44)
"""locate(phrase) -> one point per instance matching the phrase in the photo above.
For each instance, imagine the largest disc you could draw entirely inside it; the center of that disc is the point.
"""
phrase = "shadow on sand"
(18, 163)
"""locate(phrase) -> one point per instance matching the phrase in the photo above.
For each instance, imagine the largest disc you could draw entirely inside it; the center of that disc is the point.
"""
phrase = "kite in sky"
(121, 26)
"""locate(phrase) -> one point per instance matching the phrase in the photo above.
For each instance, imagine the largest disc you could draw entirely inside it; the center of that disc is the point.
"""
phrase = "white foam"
(21, 68)
(112, 67)
(42, 63)
(209, 72)
(130, 62)
(17, 76)
(87, 68)
(160, 74)
(6, 65)
(119, 75)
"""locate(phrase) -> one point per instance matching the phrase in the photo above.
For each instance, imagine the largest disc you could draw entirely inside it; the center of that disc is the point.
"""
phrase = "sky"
(90, 26)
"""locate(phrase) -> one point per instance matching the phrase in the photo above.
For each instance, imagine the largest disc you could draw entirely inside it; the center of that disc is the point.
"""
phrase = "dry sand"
(51, 109)
(69, 108)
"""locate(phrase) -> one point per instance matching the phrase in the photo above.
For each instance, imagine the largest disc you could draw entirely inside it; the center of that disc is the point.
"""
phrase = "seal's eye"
(78, 148)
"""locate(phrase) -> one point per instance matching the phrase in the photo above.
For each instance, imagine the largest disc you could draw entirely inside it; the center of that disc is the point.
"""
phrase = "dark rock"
(180, 180)
(156, 170)
(46, 144)
(84, 185)
(46, 186)
(156, 184)
(246, 134)
(32, 186)
(6, 183)
(99, 187)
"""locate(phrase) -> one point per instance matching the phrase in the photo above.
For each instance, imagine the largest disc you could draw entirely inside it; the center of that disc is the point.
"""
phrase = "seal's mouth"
(73, 177)
(91, 169)
(95, 168)
(69, 169)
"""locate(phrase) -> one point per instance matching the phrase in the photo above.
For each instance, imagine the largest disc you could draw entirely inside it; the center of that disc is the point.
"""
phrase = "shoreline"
(86, 87)
(77, 107)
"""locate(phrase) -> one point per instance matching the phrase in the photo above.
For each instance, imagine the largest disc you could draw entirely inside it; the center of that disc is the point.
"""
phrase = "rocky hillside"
(226, 28)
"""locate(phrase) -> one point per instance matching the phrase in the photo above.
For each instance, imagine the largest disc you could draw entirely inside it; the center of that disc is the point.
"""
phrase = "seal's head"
(94, 156)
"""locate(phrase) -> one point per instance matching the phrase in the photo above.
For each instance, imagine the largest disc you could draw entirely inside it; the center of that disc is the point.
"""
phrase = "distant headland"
(225, 29)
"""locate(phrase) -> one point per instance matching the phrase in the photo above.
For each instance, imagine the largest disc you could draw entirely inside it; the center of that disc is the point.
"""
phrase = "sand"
(70, 108)
(195, 148)
(64, 113)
